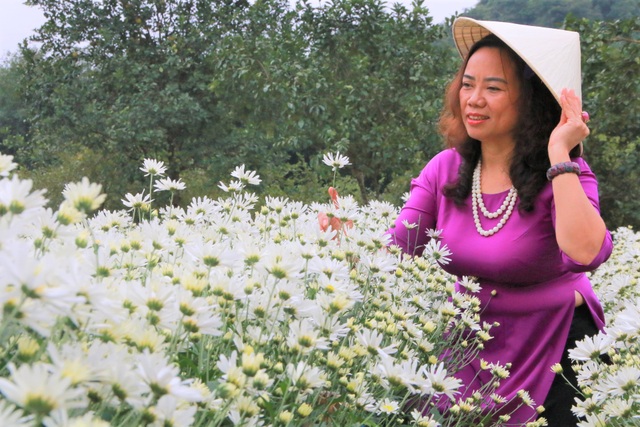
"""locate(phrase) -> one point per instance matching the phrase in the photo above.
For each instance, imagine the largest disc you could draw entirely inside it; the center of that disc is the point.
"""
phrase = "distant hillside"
(551, 13)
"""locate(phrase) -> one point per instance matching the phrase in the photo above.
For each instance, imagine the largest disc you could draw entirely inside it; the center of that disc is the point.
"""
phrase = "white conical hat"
(554, 55)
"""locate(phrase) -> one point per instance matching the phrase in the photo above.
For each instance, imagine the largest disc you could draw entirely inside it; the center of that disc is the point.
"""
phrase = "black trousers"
(561, 395)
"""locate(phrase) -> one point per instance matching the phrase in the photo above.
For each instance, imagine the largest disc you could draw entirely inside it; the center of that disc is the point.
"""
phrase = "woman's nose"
(476, 98)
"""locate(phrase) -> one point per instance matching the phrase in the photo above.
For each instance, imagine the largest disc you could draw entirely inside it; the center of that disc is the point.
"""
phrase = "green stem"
(150, 197)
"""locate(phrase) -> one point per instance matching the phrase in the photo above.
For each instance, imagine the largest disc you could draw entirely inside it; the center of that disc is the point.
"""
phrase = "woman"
(517, 206)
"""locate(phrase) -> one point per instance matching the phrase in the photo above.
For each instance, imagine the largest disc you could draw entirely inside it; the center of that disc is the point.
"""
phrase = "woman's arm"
(419, 213)
(580, 230)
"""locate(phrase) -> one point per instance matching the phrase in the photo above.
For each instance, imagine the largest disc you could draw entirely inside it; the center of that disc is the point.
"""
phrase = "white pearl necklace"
(505, 209)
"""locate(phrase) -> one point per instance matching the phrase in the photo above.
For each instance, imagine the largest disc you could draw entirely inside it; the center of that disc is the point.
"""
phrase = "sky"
(17, 21)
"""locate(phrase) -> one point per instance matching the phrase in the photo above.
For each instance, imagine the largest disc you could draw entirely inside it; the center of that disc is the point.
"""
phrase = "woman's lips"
(474, 119)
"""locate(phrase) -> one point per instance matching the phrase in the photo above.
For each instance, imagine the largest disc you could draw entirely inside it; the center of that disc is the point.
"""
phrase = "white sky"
(17, 21)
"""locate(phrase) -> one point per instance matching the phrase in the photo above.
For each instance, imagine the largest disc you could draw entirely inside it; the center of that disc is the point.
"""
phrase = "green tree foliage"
(349, 76)
(611, 89)
(208, 85)
(129, 80)
(552, 13)
(13, 116)
(382, 76)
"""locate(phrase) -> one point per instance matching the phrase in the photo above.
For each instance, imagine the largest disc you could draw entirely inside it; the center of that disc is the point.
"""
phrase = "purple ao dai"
(533, 280)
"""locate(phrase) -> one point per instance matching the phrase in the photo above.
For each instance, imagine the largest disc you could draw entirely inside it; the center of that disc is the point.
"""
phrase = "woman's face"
(489, 97)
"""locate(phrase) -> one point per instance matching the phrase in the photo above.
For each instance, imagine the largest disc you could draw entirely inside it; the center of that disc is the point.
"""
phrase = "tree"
(207, 85)
(348, 76)
(13, 117)
(552, 13)
(129, 80)
(383, 77)
(611, 90)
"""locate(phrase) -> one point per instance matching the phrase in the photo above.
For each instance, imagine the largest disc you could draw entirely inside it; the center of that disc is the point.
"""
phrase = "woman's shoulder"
(443, 163)
(448, 155)
(441, 169)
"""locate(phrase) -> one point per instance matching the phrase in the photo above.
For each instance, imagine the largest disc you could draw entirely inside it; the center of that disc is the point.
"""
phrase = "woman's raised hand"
(572, 128)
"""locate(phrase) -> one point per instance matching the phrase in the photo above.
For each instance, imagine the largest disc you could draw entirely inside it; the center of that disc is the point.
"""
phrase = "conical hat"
(554, 55)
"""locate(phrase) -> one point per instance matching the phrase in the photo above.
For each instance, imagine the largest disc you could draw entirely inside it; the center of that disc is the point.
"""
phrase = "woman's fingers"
(571, 129)
(571, 105)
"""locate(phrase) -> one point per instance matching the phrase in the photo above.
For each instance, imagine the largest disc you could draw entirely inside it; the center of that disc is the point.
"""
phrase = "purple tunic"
(533, 279)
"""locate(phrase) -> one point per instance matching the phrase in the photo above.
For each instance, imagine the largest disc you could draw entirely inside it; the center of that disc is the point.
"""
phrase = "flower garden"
(250, 312)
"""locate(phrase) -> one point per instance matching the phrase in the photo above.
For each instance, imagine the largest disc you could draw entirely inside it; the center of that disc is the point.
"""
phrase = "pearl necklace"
(505, 209)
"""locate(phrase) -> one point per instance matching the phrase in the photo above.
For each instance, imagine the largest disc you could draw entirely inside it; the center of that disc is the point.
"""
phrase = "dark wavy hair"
(539, 113)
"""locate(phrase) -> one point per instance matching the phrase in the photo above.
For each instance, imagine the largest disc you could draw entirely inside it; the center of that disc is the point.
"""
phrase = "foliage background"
(207, 85)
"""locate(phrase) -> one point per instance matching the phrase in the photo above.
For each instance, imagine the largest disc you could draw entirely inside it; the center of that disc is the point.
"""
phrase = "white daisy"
(437, 251)
(305, 337)
(441, 383)
(203, 206)
(406, 373)
(305, 377)
(71, 362)
(388, 406)
(169, 412)
(526, 398)
(619, 408)
(84, 196)
(335, 161)
(202, 318)
(408, 225)
(6, 164)
(225, 364)
(590, 348)
(380, 210)
(246, 177)
(434, 234)
(585, 407)
(106, 220)
(332, 326)
(16, 196)
(590, 371)
(168, 184)
(281, 263)
(39, 391)
(471, 284)
(594, 420)
(10, 416)
(162, 378)
(141, 335)
(213, 255)
(62, 419)
(627, 320)
(624, 380)
(276, 204)
(233, 187)
(153, 167)
(419, 419)
(379, 262)
(137, 202)
(156, 301)
(244, 201)
(329, 267)
(371, 340)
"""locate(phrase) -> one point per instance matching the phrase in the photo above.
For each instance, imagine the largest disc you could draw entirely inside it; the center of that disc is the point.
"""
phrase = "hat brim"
(552, 54)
